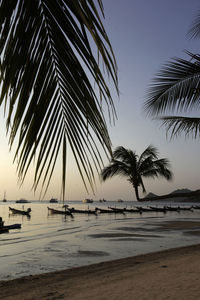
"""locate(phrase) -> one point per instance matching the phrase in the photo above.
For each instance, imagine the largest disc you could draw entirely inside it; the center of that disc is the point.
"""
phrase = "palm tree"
(176, 88)
(128, 164)
(46, 71)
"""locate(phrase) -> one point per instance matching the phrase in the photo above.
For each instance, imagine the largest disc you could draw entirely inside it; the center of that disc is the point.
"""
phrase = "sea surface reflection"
(48, 242)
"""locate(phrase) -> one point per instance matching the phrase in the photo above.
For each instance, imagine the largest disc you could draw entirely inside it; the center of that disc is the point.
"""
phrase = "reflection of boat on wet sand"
(20, 212)
(56, 211)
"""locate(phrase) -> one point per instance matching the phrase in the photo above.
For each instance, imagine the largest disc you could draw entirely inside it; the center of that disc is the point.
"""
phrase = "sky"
(144, 35)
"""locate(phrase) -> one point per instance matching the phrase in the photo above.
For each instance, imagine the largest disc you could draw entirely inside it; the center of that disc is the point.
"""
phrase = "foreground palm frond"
(46, 63)
(176, 125)
(176, 88)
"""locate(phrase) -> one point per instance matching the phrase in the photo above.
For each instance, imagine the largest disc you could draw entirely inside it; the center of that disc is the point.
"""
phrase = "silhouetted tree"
(128, 164)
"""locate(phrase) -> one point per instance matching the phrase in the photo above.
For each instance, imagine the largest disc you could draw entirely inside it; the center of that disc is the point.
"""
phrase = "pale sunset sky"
(144, 35)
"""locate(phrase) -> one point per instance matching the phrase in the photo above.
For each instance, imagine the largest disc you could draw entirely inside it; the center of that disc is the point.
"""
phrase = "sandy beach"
(171, 274)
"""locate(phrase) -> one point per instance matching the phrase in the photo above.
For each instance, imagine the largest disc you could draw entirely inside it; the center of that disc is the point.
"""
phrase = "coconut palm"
(176, 88)
(50, 53)
(128, 164)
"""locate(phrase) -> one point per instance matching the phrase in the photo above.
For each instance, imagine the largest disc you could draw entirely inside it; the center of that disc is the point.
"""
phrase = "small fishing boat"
(158, 209)
(13, 226)
(6, 228)
(196, 206)
(82, 211)
(56, 211)
(117, 209)
(22, 201)
(53, 200)
(173, 208)
(108, 211)
(186, 208)
(3, 230)
(21, 212)
(144, 209)
(133, 210)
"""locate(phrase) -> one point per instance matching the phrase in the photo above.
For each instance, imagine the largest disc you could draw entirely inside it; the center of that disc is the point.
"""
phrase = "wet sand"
(171, 274)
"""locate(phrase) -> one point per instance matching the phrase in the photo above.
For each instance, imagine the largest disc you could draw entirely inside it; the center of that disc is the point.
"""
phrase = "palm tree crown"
(46, 68)
(127, 163)
(176, 88)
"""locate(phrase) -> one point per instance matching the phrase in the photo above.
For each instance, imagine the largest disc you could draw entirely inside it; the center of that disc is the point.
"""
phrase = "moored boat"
(108, 211)
(21, 212)
(82, 211)
(117, 209)
(56, 211)
(86, 200)
(22, 201)
(158, 209)
(53, 200)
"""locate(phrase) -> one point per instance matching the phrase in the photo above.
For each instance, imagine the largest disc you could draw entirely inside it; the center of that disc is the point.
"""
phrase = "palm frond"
(176, 87)
(194, 31)
(177, 125)
(149, 152)
(115, 168)
(46, 57)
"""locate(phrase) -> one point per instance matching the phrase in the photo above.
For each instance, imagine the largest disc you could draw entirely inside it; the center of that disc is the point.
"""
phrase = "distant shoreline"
(169, 274)
(193, 196)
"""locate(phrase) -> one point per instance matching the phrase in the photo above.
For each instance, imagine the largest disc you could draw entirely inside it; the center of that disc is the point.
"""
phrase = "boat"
(22, 201)
(117, 209)
(53, 200)
(196, 206)
(13, 226)
(171, 208)
(133, 210)
(4, 197)
(145, 209)
(120, 200)
(158, 209)
(86, 200)
(6, 228)
(102, 200)
(82, 211)
(3, 230)
(56, 211)
(108, 211)
(186, 208)
(21, 212)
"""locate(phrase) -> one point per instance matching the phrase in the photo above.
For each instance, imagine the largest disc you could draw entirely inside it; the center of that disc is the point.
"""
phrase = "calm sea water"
(53, 242)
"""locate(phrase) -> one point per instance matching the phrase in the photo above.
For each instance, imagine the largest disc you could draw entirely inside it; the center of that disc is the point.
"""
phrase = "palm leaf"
(176, 125)
(46, 56)
(194, 31)
(176, 87)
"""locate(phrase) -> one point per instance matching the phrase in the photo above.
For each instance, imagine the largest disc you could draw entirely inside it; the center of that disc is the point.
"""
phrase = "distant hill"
(178, 195)
(180, 191)
(150, 195)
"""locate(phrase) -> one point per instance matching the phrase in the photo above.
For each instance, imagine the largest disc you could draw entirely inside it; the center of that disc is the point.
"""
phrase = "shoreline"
(168, 274)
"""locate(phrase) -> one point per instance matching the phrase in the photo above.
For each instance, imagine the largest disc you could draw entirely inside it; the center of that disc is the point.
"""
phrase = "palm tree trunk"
(136, 192)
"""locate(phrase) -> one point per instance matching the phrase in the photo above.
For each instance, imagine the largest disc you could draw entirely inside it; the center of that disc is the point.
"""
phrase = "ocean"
(48, 242)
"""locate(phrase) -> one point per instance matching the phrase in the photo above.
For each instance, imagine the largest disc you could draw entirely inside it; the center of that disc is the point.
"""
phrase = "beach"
(169, 274)
(125, 256)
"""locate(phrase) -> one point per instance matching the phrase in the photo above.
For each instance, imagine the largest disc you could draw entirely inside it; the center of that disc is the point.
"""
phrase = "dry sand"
(172, 274)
